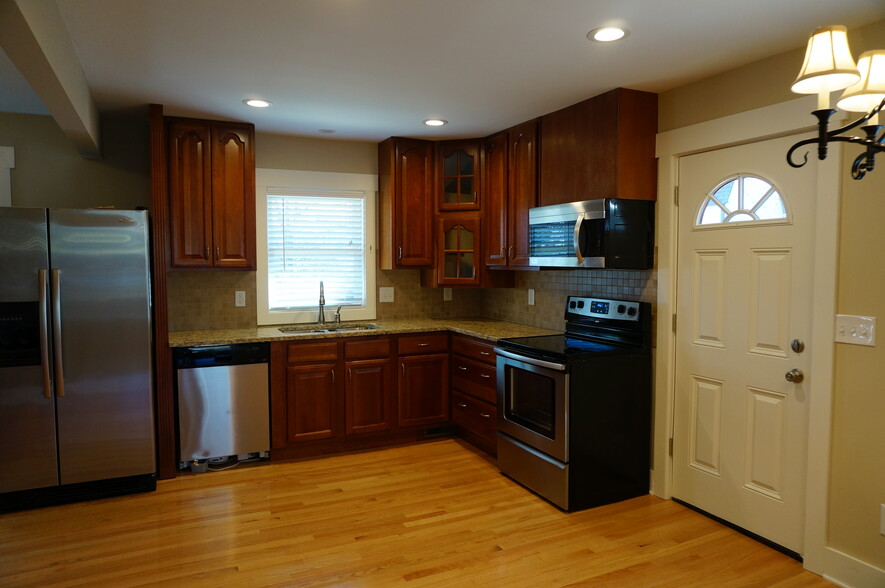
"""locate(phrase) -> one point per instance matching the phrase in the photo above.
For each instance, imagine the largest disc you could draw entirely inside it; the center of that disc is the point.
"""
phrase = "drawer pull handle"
(486, 353)
(485, 415)
(462, 405)
(485, 376)
(462, 368)
(423, 344)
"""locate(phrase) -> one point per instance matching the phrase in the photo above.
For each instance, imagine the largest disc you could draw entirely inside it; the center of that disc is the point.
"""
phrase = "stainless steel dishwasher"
(223, 402)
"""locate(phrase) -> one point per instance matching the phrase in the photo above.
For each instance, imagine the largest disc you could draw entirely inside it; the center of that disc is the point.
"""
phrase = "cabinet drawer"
(473, 348)
(474, 378)
(476, 421)
(367, 348)
(424, 343)
(313, 351)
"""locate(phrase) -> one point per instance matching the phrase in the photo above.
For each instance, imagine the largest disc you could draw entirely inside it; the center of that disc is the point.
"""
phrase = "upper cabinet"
(406, 198)
(522, 189)
(603, 147)
(211, 193)
(458, 172)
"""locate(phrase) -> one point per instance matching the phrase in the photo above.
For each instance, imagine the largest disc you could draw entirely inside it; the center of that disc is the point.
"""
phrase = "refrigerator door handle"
(56, 331)
(43, 308)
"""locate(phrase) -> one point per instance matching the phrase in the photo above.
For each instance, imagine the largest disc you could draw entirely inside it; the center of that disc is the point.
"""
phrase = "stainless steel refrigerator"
(76, 386)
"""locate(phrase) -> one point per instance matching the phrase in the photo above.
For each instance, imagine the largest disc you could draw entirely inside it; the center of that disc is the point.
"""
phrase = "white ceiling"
(370, 69)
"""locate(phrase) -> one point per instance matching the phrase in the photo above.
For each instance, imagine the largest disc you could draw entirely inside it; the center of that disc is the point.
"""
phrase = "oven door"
(533, 402)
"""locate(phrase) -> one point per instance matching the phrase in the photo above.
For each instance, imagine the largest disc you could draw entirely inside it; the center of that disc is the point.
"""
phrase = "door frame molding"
(786, 118)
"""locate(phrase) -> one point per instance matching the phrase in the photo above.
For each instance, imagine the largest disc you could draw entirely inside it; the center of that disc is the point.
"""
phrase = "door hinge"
(676, 195)
(670, 447)
(674, 323)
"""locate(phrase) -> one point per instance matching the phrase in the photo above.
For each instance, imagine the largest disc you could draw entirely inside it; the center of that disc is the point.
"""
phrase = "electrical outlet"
(240, 298)
(531, 296)
(385, 294)
(882, 519)
(447, 294)
(857, 330)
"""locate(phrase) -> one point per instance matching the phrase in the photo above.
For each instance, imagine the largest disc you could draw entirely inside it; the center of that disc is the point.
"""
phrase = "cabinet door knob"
(510, 252)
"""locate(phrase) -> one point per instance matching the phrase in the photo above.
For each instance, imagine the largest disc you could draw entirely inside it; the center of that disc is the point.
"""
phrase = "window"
(742, 199)
(315, 227)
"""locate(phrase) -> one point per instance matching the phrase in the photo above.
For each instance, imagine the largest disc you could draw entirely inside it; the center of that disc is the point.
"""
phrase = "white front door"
(744, 294)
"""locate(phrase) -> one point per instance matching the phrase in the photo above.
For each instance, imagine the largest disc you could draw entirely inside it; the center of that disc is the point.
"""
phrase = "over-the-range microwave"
(606, 233)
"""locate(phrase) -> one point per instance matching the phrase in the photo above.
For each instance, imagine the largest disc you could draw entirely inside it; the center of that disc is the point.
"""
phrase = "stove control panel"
(601, 308)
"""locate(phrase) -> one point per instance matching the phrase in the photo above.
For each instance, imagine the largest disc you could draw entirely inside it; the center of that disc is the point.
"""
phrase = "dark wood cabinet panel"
(423, 343)
(211, 176)
(233, 195)
(406, 203)
(190, 192)
(522, 190)
(312, 402)
(474, 391)
(423, 390)
(603, 147)
(458, 254)
(494, 194)
(368, 398)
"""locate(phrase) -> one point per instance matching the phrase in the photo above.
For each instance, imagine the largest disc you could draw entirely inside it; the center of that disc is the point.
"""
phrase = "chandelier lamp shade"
(829, 67)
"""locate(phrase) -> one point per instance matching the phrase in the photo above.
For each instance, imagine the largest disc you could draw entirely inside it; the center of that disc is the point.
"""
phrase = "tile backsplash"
(205, 299)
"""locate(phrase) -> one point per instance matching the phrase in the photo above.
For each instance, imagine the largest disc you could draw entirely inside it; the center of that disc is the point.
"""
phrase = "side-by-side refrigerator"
(76, 387)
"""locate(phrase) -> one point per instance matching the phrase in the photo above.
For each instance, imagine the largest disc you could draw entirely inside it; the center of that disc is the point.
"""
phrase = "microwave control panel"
(601, 308)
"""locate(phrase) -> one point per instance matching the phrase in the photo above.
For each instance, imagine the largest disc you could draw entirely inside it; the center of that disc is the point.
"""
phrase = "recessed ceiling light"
(257, 103)
(607, 34)
(435, 122)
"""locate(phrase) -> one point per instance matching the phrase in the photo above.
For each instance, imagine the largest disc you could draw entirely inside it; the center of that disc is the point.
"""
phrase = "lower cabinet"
(343, 394)
(474, 392)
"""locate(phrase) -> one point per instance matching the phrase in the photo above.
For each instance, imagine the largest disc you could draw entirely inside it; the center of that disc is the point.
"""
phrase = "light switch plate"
(531, 296)
(882, 519)
(857, 330)
(239, 298)
(385, 294)
(447, 294)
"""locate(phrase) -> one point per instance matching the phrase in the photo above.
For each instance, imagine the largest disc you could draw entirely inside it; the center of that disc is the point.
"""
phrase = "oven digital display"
(599, 307)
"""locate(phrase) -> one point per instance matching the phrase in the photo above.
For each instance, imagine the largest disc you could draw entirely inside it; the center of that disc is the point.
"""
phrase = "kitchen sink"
(332, 328)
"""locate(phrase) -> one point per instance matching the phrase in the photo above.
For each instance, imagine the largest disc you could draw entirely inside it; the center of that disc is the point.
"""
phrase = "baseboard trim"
(849, 572)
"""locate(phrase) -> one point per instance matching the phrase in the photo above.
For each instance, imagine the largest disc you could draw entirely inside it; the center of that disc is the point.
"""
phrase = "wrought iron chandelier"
(829, 67)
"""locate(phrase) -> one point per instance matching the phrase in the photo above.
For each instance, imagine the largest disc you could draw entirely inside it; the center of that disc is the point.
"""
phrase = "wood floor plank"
(430, 514)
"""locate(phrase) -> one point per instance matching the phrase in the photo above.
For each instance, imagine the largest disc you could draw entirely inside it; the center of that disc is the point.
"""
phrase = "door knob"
(795, 375)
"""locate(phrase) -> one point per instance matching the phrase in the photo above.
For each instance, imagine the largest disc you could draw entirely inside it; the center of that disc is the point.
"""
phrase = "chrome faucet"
(321, 319)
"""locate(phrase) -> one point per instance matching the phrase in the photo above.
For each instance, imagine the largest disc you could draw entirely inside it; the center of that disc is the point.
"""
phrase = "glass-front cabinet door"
(459, 176)
(458, 249)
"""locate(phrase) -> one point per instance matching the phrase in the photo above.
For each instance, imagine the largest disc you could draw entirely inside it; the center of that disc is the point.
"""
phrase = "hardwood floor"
(431, 514)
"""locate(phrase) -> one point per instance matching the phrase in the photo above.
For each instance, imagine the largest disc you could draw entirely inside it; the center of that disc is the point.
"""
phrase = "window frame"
(270, 180)
(739, 176)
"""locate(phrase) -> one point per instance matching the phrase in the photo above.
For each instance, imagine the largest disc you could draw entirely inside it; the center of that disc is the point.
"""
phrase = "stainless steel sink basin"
(331, 328)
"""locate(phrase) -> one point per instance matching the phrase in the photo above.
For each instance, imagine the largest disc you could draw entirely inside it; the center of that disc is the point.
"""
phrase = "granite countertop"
(490, 330)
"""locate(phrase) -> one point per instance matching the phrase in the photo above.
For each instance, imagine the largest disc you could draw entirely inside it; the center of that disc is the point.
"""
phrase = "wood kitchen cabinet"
(474, 392)
(369, 386)
(510, 189)
(406, 203)
(211, 172)
(313, 403)
(423, 380)
(603, 147)
(458, 175)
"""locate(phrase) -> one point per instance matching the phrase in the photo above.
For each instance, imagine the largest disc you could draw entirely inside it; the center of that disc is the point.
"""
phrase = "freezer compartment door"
(27, 404)
(223, 410)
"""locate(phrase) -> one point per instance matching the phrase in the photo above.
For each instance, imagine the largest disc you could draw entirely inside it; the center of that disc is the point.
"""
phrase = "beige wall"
(49, 172)
(857, 476)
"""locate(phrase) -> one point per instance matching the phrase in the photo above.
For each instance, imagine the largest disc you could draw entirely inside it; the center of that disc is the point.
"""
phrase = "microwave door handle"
(578, 226)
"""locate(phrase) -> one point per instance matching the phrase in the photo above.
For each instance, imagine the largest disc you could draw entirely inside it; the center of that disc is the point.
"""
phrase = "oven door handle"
(531, 360)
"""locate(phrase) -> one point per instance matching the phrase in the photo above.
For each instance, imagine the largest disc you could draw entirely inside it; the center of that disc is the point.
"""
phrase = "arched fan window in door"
(740, 199)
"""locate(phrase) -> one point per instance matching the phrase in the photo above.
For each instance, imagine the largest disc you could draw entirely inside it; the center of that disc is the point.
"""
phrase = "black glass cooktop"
(557, 346)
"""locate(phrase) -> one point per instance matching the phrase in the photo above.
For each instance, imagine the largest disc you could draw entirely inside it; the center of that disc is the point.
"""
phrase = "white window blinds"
(315, 236)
